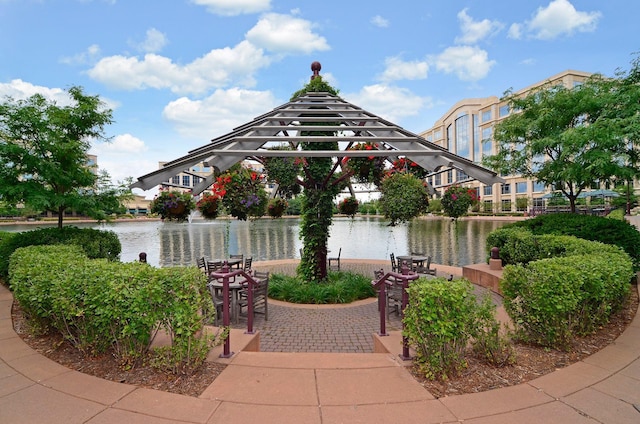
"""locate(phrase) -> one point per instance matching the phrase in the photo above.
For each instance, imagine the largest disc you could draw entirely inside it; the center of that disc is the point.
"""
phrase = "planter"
(177, 210)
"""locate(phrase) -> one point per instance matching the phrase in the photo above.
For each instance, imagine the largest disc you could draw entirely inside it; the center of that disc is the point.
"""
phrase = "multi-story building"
(467, 130)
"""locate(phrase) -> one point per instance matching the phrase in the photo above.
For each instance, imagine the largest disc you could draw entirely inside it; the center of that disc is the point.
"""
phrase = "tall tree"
(545, 138)
(43, 152)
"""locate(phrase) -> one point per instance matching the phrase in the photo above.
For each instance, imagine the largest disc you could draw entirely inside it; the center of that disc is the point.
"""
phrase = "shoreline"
(146, 219)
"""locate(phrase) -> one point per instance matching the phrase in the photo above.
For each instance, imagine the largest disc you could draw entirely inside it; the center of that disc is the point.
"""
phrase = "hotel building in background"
(467, 130)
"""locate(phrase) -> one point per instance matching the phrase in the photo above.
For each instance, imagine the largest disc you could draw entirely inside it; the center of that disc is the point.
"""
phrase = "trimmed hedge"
(573, 291)
(94, 243)
(97, 304)
(595, 228)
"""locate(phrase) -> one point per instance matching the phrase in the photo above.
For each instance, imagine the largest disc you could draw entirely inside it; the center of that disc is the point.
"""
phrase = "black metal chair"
(334, 263)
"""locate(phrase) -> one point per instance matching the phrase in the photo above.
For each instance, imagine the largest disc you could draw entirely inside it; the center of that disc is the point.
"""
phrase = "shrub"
(550, 300)
(439, 323)
(94, 243)
(435, 205)
(609, 231)
(97, 305)
(340, 287)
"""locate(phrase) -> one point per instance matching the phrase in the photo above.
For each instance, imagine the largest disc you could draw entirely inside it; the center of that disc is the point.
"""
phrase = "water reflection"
(169, 244)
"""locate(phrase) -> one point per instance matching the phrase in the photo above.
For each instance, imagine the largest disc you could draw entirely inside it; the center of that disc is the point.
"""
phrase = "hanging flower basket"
(457, 199)
(408, 166)
(348, 206)
(242, 193)
(368, 169)
(276, 207)
(173, 205)
(208, 205)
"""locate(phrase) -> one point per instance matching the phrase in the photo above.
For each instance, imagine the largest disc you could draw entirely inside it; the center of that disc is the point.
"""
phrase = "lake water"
(168, 244)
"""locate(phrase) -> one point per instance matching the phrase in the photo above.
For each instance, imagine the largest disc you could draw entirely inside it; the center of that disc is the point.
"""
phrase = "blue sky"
(178, 73)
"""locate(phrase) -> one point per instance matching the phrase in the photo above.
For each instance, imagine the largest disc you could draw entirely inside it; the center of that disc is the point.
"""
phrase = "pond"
(168, 244)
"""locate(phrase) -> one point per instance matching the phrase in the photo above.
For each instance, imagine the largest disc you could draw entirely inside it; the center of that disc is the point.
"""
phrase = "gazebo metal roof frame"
(315, 112)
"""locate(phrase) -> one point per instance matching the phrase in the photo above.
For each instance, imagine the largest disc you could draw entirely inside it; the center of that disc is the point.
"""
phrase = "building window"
(487, 143)
(450, 176)
(462, 136)
(175, 180)
(186, 180)
(521, 187)
(488, 190)
(477, 144)
(196, 180)
(487, 206)
(506, 188)
(437, 135)
(505, 205)
(538, 186)
(486, 115)
(504, 111)
(449, 137)
(462, 176)
(437, 180)
(429, 137)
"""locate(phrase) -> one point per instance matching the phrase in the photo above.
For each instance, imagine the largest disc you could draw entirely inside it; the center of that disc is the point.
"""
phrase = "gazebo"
(319, 112)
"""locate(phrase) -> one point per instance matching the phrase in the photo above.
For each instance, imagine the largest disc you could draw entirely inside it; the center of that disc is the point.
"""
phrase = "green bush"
(551, 300)
(94, 243)
(98, 305)
(435, 205)
(609, 231)
(440, 320)
(340, 287)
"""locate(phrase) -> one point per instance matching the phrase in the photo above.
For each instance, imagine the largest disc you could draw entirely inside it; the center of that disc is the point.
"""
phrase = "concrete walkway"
(327, 388)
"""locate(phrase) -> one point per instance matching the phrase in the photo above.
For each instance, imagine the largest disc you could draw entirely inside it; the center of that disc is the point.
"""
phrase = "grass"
(341, 287)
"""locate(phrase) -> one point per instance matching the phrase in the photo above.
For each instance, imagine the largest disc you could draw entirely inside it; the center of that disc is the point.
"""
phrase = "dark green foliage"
(98, 305)
(94, 243)
(609, 231)
(340, 287)
(552, 300)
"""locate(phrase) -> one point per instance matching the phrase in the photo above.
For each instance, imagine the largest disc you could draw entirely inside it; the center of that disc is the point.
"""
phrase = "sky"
(178, 73)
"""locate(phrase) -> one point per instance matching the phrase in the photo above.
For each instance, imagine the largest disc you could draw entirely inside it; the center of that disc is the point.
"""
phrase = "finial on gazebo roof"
(315, 67)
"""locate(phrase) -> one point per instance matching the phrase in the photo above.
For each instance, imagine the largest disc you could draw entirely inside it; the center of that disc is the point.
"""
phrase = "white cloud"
(379, 21)
(217, 114)
(89, 56)
(515, 31)
(234, 7)
(218, 68)
(558, 18)
(466, 62)
(475, 31)
(153, 42)
(21, 90)
(286, 34)
(123, 144)
(389, 102)
(397, 69)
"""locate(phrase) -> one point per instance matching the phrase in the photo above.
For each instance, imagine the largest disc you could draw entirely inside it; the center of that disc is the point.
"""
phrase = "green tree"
(43, 153)
(619, 123)
(547, 138)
